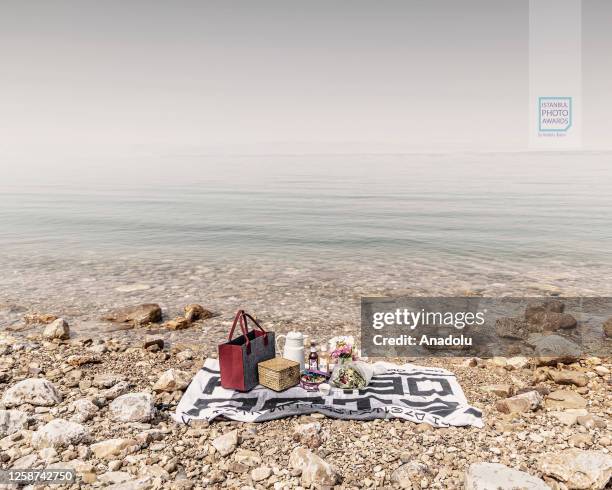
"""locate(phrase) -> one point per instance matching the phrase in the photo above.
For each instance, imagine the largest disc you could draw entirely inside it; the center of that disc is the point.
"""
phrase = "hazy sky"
(105, 77)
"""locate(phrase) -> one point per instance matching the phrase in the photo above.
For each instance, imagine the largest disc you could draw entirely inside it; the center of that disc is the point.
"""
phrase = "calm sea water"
(496, 207)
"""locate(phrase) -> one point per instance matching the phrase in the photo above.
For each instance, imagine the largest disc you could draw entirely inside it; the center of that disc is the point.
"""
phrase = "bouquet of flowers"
(341, 348)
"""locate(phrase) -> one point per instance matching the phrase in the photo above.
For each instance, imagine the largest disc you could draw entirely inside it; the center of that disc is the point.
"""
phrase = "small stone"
(153, 340)
(499, 390)
(577, 468)
(525, 402)
(57, 329)
(133, 407)
(34, 391)
(137, 315)
(12, 421)
(106, 380)
(580, 440)
(551, 321)
(196, 312)
(549, 305)
(227, 443)
(496, 476)
(518, 362)
(411, 471)
(84, 410)
(247, 457)
(591, 421)
(111, 448)
(59, 433)
(315, 470)
(607, 327)
(261, 473)
(567, 377)
(562, 399)
(179, 323)
(39, 318)
(602, 371)
(185, 355)
(569, 417)
(172, 380)
(308, 434)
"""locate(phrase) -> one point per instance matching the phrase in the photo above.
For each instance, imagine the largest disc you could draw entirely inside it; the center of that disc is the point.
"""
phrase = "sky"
(81, 78)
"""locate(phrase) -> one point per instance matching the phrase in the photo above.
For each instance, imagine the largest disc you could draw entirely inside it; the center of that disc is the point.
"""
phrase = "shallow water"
(301, 238)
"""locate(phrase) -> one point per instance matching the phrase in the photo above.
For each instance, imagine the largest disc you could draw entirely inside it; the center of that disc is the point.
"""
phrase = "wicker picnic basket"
(278, 373)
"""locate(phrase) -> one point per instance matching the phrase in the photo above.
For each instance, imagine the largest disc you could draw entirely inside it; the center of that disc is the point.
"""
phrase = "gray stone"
(137, 315)
(496, 476)
(133, 407)
(59, 433)
(578, 469)
(12, 421)
(315, 470)
(57, 329)
(227, 443)
(34, 391)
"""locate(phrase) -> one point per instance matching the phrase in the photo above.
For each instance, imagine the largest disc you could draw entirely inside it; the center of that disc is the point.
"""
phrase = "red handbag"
(238, 358)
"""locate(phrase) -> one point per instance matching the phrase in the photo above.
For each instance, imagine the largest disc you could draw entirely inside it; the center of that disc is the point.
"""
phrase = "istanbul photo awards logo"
(554, 115)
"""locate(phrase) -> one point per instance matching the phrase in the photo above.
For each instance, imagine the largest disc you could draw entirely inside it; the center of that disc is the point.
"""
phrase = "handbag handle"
(241, 316)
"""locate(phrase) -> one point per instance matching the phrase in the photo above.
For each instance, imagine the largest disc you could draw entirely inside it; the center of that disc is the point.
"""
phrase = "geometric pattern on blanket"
(409, 392)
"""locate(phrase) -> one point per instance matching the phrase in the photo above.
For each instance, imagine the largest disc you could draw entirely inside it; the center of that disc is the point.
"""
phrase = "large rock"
(111, 448)
(57, 329)
(567, 377)
(133, 407)
(35, 391)
(227, 443)
(569, 417)
(12, 421)
(138, 315)
(562, 399)
(173, 380)
(496, 476)
(308, 434)
(59, 433)
(607, 327)
(525, 402)
(549, 305)
(578, 469)
(315, 471)
(554, 349)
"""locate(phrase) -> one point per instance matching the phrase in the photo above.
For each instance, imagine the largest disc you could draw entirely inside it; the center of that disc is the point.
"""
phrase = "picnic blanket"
(409, 392)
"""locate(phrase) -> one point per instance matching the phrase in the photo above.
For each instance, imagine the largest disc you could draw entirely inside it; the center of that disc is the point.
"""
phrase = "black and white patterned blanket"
(415, 393)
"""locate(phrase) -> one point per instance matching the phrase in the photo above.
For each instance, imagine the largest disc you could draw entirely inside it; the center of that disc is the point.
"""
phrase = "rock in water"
(227, 443)
(315, 471)
(59, 433)
(138, 315)
(196, 312)
(577, 468)
(57, 329)
(562, 399)
(525, 402)
(551, 321)
(133, 407)
(607, 327)
(35, 391)
(12, 421)
(550, 305)
(554, 349)
(179, 323)
(496, 476)
(172, 380)
(512, 328)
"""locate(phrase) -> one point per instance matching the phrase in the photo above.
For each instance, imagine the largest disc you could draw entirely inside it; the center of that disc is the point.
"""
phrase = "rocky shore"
(101, 404)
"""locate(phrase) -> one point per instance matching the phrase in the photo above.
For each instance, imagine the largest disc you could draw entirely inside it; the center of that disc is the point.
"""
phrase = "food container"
(278, 373)
(311, 380)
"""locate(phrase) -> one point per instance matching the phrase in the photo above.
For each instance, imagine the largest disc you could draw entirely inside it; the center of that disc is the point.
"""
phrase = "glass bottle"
(313, 358)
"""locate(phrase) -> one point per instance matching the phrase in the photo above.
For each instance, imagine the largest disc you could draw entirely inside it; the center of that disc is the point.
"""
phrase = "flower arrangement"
(341, 348)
